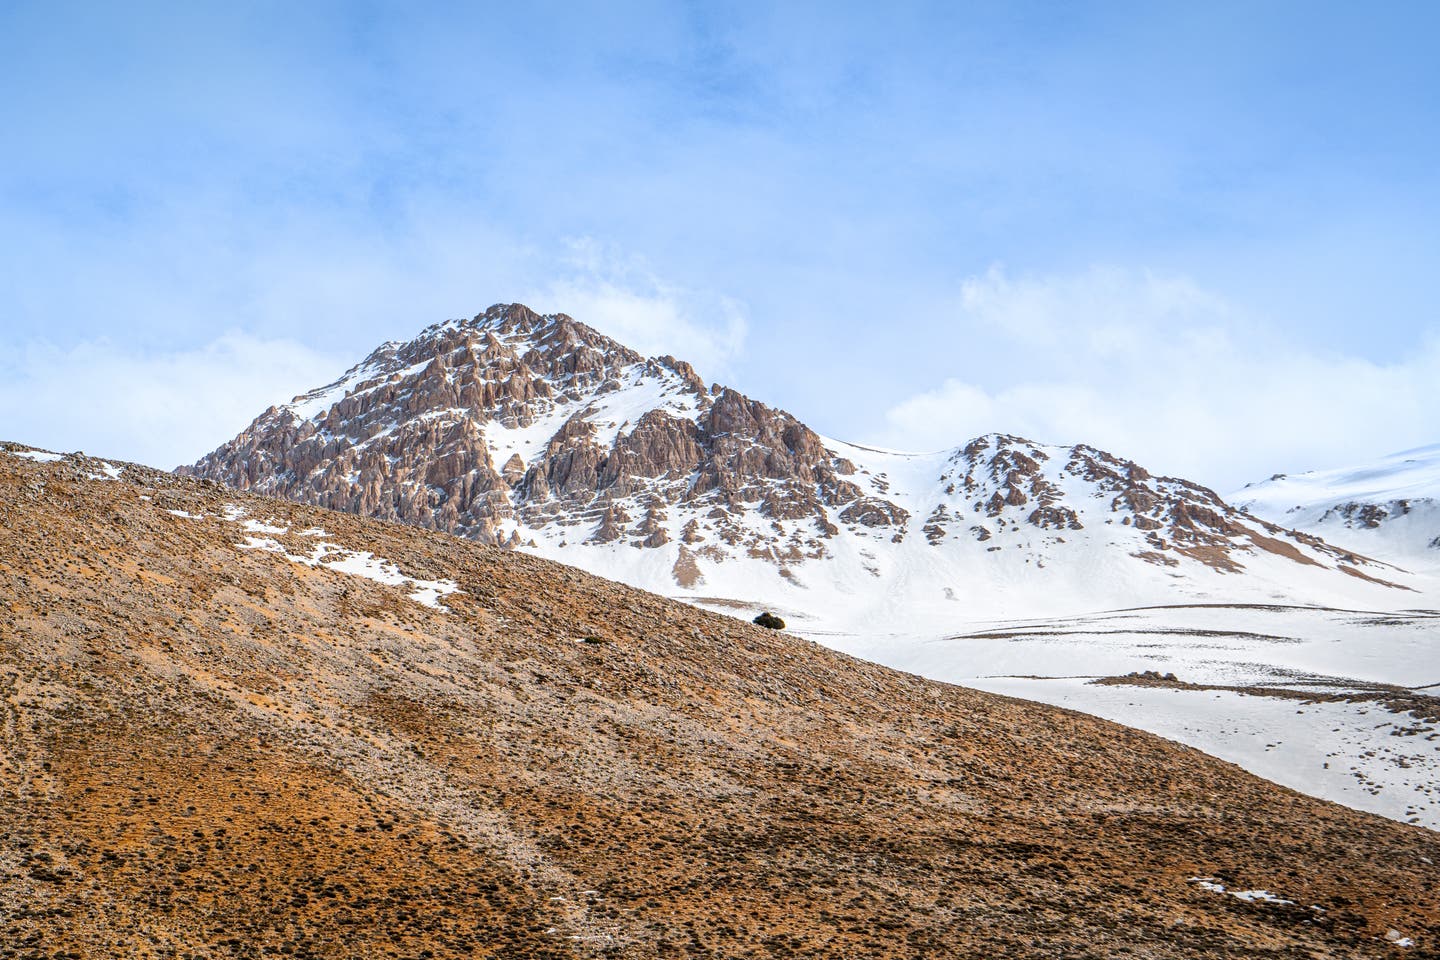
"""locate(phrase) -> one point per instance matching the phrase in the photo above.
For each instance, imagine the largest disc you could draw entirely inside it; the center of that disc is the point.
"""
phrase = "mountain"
(541, 434)
(235, 726)
(1388, 508)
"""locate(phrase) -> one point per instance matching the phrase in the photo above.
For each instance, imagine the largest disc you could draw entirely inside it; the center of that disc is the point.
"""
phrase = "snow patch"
(363, 563)
(255, 526)
(359, 563)
(1249, 896)
(39, 456)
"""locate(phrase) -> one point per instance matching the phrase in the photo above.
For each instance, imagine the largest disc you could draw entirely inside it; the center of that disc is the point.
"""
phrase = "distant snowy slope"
(1389, 508)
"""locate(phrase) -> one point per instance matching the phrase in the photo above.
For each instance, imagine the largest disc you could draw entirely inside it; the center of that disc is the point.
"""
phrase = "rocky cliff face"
(538, 432)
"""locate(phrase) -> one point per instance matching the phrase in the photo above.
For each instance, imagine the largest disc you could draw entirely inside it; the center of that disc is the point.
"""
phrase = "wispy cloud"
(162, 409)
(1159, 369)
(621, 296)
(342, 294)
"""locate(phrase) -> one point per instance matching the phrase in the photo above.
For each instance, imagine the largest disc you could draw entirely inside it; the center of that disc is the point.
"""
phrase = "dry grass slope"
(213, 752)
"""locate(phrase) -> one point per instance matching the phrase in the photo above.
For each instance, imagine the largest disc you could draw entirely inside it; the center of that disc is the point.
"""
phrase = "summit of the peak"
(512, 316)
(517, 324)
(516, 315)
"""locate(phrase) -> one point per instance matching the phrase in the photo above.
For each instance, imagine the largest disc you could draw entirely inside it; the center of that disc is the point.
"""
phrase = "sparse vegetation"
(323, 768)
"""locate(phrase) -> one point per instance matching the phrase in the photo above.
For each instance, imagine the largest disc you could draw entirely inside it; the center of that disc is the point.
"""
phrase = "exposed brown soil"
(1360, 575)
(214, 752)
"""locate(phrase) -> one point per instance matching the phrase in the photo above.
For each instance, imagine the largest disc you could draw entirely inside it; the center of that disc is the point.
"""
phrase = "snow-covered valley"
(1338, 704)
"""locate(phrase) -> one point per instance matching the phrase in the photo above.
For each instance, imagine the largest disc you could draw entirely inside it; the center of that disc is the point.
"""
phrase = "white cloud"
(160, 409)
(116, 398)
(622, 298)
(1160, 370)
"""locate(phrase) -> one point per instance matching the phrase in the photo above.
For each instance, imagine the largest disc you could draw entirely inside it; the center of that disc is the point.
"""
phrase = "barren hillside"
(238, 726)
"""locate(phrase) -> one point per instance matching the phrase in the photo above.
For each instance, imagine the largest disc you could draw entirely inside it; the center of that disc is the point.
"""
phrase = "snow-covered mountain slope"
(540, 433)
(1389, 508)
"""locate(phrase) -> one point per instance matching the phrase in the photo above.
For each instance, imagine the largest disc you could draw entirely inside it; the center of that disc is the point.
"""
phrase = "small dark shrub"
(769, 621)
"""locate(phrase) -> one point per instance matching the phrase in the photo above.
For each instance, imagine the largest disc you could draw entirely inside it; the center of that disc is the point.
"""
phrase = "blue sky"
(1202, 235)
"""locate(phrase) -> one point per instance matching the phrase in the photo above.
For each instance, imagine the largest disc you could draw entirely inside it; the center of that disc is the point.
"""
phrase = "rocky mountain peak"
(514, 419)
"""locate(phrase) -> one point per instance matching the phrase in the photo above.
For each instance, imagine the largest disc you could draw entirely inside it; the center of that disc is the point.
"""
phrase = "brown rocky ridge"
(236, 726)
